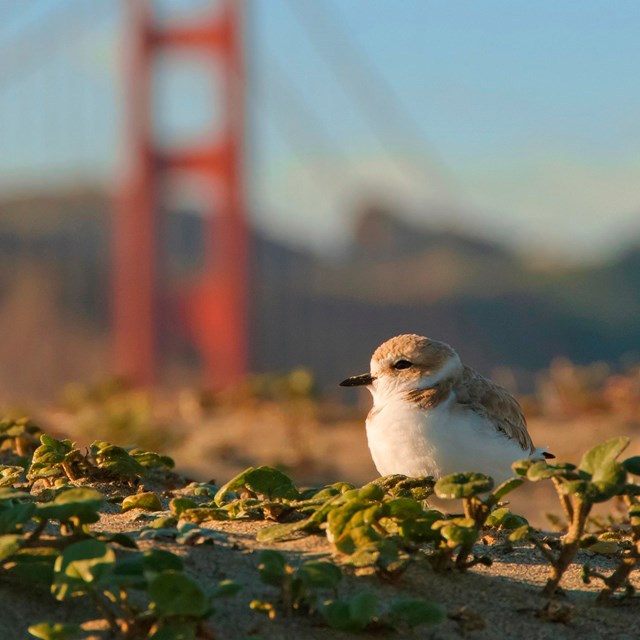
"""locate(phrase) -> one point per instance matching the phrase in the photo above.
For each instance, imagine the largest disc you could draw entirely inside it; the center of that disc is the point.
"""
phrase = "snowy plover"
(432, 415)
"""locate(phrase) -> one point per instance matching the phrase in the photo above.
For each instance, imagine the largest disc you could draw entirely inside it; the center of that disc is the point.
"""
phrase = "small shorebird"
(433, 416)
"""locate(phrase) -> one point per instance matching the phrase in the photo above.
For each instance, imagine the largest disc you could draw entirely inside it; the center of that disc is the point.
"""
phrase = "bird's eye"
(402, 364)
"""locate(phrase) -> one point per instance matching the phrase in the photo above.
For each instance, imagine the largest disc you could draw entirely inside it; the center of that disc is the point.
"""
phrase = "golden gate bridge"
(213, 303)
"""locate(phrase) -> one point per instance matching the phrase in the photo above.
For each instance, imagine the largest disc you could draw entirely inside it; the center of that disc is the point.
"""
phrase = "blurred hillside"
(495, 307)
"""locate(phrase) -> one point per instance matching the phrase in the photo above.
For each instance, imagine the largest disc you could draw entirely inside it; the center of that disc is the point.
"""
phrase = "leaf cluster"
(482, 507)
(303, 589)
(599, 477)
(174, 603)
(375, 525)
(59, 462)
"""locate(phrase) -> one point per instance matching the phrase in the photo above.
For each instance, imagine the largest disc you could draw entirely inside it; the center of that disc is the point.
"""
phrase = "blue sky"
(523, 115)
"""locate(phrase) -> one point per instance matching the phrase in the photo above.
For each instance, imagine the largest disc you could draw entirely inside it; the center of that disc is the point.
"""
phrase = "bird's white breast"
(404, 438)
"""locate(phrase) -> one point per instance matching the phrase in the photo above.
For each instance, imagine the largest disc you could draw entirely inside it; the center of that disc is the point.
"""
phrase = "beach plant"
(598, 478)
(628, 561)
(20, 435)
(375, 525)
(628, 547)
(302, 589)
(174, 605)
(479, 501)
(55, 459)
(61, 461)
(365, 611)
(46, 541)
(10, 475)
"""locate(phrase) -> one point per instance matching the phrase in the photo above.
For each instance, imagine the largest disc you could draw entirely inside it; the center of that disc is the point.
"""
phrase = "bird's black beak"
(358, 381)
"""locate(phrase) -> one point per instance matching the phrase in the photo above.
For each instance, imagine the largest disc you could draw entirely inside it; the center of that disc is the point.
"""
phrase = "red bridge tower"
(215, 305)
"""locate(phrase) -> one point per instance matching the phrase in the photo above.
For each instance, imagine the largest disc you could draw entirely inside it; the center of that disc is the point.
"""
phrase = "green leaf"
(9, 544)
(399, 486)
(81, 503)
(421, 529)
(320, 574)
(122, 539)
(135, 569)
(349, 524)
(173, 593)
(414, 611)
(163, 522)
(609, 480)
(32, 566)
(363, 608)
(577, 487)
(457, 531)
(157, 560)
(541, 470)
(337, 615)
(265, 482)
(11, 494)
(178, 505)
(201, 489)
(147, 533)
(403, 508)
(151, 460)
(49, 456)
(55, 447)
(371, 491)
(521, 533)
(56, 631)
(272, 566)
(463, 485)
(202, 514)
(353, 614)
(282, 531)
(80, 566)
(337, 488)
(13, 517)
(10, 428)
(503, 518)
(632, 465)
(506, 487)
(603, 455)
(604, 547)
(9, 475)
(116, 460)
(226, 589)
(521, 467)
(147, 501)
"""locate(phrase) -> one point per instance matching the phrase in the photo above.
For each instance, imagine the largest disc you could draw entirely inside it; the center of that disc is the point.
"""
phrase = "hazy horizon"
(508, 119)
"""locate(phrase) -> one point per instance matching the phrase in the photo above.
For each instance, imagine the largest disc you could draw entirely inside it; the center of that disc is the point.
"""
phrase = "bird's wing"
(496, 404)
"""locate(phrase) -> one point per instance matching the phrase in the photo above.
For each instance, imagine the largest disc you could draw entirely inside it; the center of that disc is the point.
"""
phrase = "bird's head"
(406, 363)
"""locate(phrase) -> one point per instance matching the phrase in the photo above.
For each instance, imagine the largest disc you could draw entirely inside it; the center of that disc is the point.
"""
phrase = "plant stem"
(617, 579)
(567, 507)
(35, 534)
(464, 553)
(106, 611)
(21, 448)
(539, 545)
(468, 509)
(67, 469)
(570, 544)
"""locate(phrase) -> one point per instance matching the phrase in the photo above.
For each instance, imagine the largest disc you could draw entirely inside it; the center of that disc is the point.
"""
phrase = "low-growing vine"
(52, 492)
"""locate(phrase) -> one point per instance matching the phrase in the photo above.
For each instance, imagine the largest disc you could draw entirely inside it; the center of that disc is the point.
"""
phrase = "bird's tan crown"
(426, 354)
